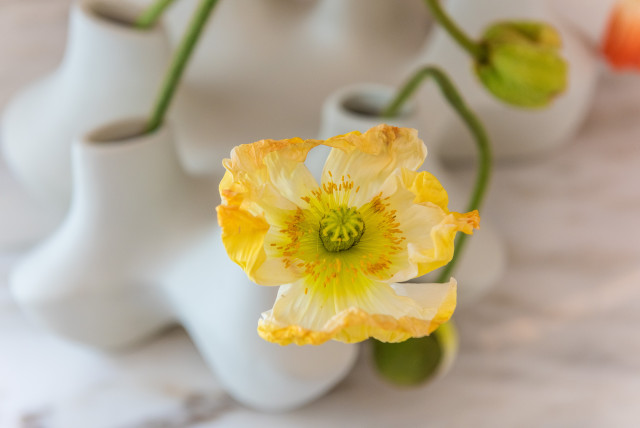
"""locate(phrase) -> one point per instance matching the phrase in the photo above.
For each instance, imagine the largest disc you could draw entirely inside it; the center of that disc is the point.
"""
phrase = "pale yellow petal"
(426, 188)
(250, 157)
(248, 180)
(441, 296)
(243, 237)
(417, 203)
(302, 315)
(370, 158)
(439, 250)
(428, 226)
(290, 176)
(252, 204)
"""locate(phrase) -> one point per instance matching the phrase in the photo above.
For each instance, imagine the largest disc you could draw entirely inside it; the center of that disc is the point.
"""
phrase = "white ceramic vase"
(589, 17)
(515, 132)
(140, 249)
(109, 71)
(355, 108)
(95, 280)
(219, 307)
(275, 61)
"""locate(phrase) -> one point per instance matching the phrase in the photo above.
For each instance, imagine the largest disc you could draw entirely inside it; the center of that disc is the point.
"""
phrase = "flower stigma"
(341, 229)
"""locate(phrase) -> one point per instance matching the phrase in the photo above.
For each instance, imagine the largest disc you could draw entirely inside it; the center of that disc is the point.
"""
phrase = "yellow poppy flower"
(339, 249)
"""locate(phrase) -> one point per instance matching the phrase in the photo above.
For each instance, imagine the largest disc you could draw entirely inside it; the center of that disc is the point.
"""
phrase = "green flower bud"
(415, 361)
(521, 64)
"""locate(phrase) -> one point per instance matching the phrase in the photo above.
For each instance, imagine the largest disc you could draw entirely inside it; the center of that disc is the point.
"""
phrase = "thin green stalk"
(150, 16)
(482, 142)
(179, 63)
(454, 31)
(400, 367)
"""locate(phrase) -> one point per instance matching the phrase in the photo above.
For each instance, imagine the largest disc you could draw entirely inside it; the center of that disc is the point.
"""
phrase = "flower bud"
(417, 361)
(521, 64)
(621, 45)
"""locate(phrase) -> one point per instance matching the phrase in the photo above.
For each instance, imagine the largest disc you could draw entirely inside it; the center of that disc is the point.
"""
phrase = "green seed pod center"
(341, 229)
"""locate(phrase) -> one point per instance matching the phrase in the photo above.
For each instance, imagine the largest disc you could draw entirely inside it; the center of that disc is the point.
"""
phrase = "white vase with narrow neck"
(515, 132)
(141, 249)
(356, 108)
(110, 70)
(95, 280)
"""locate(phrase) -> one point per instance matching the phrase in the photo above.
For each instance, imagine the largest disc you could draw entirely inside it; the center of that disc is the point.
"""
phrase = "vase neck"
(135, 173)
(101, 44)
(372, 20)
(358, 108)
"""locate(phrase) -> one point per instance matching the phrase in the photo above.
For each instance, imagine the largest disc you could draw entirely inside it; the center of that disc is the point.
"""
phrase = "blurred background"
(552, 343)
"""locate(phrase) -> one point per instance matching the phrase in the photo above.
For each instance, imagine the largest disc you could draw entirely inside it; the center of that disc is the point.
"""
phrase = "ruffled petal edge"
(355, 325)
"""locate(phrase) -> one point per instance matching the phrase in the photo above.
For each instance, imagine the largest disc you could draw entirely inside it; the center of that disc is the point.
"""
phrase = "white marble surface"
(555, 344)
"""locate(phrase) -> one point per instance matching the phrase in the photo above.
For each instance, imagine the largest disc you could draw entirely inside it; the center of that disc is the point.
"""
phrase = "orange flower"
(622, 40)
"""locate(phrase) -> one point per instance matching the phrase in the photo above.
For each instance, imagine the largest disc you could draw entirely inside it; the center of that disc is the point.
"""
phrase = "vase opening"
(119, 132)
(372, 104)
(113, 13)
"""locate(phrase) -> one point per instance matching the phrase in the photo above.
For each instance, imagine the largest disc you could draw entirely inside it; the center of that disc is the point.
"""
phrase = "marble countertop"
(554, 344)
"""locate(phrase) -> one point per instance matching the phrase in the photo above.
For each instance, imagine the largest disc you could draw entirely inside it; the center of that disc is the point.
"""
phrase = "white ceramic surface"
(263, 67)
(482, 263)
(109, 71)
(95, 280)
(515, 132)
(219, 307)
(141, 249)
(589, 17)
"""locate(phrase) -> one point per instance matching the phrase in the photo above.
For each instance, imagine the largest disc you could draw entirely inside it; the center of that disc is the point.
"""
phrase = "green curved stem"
(150, 16)
(452, 95)
(400, 369)
(179, 63)
(468, 44)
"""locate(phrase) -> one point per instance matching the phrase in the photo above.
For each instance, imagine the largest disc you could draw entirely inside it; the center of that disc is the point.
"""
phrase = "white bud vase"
(355, 108)
(515, 132)
(95, 280)
(110, 70)
(141, 249)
